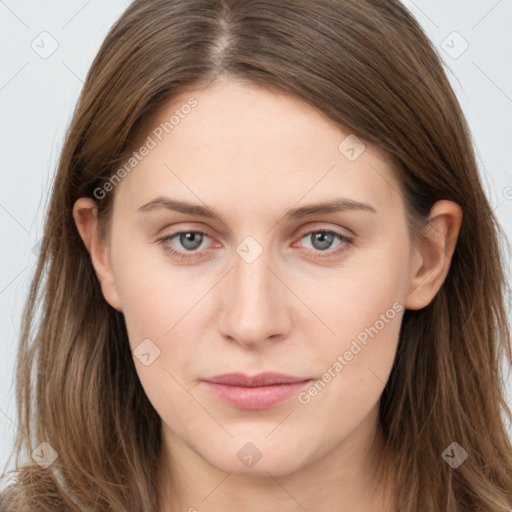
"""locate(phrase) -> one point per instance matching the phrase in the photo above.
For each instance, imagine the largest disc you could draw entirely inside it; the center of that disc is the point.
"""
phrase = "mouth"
(259, 391)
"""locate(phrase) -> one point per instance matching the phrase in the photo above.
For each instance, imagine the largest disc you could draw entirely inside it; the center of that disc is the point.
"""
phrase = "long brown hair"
(368, 66)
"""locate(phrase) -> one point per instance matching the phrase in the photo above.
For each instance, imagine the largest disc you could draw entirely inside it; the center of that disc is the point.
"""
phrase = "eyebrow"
(333, 206)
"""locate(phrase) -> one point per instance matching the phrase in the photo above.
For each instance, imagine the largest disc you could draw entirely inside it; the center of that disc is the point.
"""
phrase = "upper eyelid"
(317, 226)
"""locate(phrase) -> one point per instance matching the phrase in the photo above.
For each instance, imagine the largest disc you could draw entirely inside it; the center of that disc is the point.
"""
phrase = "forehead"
(251, 146)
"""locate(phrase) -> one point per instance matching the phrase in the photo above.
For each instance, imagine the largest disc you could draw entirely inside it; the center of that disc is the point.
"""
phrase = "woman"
(270, 277)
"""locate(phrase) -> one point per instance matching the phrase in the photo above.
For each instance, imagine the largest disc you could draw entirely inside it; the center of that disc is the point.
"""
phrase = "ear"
(432, 255)
(85, 214)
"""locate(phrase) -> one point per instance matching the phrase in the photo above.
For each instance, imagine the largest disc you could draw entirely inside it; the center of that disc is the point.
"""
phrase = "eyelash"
(347, 243)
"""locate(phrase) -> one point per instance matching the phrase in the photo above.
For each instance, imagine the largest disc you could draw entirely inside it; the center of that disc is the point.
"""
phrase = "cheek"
(156, 301)
(365, 312)
(352, 299)
(154, 293)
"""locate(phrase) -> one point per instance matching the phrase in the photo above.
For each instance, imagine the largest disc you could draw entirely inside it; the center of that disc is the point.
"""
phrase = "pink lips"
(254, 392)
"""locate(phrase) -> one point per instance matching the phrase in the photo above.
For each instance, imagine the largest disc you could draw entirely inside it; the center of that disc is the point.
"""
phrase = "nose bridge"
(252, 308)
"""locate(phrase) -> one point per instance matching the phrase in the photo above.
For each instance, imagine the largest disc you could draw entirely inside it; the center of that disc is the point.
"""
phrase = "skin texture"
(252, 154)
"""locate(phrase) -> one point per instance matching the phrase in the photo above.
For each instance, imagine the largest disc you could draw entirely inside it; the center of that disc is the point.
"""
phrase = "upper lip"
(261, 379)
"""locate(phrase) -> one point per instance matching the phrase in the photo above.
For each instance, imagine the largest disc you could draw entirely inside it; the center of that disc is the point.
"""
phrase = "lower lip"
(260, 397)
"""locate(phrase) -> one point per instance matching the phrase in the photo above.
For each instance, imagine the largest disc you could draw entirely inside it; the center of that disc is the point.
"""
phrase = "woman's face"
(263, 289)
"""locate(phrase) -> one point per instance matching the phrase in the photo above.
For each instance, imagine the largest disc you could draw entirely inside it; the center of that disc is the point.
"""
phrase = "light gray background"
(38, 91)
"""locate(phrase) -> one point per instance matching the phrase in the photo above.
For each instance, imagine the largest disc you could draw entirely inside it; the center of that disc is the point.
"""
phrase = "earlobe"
(432, 255)
(85, 216)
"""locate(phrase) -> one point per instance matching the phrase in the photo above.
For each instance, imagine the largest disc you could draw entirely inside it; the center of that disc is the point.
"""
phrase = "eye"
(190, 241)
(322, 240)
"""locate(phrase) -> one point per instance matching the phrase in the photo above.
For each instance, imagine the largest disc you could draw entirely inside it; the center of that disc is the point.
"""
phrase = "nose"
(255, 303)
